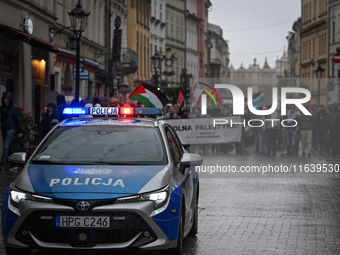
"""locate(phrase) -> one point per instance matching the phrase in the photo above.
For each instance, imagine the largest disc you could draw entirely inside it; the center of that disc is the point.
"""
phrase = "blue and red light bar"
(122, 111)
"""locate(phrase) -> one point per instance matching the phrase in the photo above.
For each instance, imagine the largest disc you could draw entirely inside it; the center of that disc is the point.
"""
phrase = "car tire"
(180, 237)
(178, 250)
(194, 228)
(14, 251)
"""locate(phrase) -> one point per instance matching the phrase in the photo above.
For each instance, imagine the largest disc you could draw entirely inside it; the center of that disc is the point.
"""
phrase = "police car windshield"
(102, 145)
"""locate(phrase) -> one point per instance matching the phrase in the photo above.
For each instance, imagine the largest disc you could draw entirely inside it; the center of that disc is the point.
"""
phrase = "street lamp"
(78, 18)
(318, 72)
(156, 63)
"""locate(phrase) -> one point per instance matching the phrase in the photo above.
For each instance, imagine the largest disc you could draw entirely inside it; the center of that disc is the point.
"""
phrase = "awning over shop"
(66, 56)
(70, 58)
(62, 54)
(30, 39)
(90, 65)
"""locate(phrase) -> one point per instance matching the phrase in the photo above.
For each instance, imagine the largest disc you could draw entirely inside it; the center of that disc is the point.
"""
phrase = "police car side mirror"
(18, 158)
(190, 160)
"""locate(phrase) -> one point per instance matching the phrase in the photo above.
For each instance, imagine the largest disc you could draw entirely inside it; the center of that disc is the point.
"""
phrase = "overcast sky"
(240, 21)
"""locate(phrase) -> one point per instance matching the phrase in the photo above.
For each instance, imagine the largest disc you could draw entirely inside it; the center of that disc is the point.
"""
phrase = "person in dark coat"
(61, 104)
(320, 119)
(10, 119)
(306, 126)
(334, 123)
(44, 127)
(326, 130)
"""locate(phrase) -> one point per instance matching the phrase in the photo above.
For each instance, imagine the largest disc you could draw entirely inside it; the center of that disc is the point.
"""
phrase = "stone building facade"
(314, 45)
(333, 88)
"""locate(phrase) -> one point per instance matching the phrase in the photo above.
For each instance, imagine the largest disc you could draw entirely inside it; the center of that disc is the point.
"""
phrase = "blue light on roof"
(76, 110)
(148, 111)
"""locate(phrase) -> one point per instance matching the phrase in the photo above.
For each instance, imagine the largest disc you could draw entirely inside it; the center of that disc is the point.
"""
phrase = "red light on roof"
(126, 110)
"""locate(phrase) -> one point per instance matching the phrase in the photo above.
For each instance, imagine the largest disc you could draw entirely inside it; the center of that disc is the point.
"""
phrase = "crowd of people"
(319, 131)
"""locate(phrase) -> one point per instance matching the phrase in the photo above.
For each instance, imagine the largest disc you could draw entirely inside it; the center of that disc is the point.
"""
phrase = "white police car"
(104, 183)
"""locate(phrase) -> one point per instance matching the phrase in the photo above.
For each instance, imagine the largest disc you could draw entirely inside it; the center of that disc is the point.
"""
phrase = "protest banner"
(202, 130)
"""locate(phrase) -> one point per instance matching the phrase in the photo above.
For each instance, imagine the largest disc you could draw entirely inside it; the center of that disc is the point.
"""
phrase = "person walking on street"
(44, 127)
(320, 119)
(306, 126)
(334, 131)
(10, 118)
(326, 130)
(298, 132)
(272, 132)
(314, 128)
(61, 104)
(196, 113)
(171, 114)
(290, 130)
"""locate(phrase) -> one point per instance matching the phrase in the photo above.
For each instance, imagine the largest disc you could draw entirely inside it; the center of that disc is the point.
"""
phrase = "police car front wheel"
(194, 228)
(178, 250)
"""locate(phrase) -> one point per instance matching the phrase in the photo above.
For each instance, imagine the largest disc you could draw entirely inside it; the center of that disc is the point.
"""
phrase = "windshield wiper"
(47, 162)
(131, 163)
(51, 162)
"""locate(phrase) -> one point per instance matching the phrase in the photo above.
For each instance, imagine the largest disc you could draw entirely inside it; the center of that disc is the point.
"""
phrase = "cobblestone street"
(280, 213)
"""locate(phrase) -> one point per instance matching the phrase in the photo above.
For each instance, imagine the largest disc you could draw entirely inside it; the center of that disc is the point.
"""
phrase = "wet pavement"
(260, 213)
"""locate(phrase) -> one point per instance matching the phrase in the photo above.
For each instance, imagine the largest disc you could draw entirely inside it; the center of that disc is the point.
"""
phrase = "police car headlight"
(17, 196)
(160, 198)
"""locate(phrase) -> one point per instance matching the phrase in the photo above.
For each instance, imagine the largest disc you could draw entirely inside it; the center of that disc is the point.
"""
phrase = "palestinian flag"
(181, 99)
(149, 96)
(257, 98)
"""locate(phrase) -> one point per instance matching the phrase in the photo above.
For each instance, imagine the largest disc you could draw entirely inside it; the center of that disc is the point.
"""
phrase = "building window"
(177, 29)
(182, 30)
(142, 13)
(144, 57)
(140, 56)
(137, 45)
(167, 24)
(148, 13)
(172, 26)
(137, 11)
(161, 12)
(333, 32)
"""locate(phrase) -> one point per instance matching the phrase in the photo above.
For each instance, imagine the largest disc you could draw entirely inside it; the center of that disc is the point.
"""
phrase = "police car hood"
(92, 182)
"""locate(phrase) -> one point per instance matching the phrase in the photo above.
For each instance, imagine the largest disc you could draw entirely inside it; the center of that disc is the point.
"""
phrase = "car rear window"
(102, 145)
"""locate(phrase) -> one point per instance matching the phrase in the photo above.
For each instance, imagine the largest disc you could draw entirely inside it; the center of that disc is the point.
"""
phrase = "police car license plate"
(83, 221)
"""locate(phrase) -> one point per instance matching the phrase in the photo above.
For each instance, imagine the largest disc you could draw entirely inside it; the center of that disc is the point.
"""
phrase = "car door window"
(177, 141)
(175, 153)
